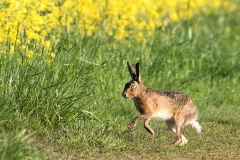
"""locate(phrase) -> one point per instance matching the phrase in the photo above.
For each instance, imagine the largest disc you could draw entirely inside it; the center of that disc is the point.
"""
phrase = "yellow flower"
(52, 55)
(1, 38)
(141, 38)
(32, 35)
(29, 53)
(142, 25)
(37, 22)
(48, 62)
(46, 44)
(12, 48)
(120, 33)
(227, 29)
(90, 30)
(174, 16)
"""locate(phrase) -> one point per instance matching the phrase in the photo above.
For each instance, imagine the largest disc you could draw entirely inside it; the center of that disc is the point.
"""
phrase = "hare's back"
(181, 102)
(177, 98)
(172, 94)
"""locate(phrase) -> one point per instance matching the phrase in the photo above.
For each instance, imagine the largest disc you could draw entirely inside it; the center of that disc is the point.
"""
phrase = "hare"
(176, 108)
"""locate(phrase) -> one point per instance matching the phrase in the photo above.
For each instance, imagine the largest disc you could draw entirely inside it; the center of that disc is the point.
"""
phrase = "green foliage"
(19, 147)
(73, 106)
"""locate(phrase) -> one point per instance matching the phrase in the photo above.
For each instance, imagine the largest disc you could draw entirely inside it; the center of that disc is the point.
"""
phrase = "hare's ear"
(132, 71)
(138, 72)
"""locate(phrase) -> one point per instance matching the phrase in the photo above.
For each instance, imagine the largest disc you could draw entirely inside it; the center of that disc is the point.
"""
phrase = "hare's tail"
(196, 126)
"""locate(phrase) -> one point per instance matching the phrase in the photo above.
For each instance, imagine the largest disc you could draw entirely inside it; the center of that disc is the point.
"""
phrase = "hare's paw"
(149, 129)
(184, 141)
(131, 125)
(176, 141)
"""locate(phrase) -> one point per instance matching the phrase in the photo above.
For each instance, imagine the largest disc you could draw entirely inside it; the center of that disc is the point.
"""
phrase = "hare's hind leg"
(171, 125)
(179, 139)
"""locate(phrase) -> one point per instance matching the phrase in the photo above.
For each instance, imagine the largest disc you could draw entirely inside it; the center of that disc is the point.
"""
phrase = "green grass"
(20, 147)
(73, 109)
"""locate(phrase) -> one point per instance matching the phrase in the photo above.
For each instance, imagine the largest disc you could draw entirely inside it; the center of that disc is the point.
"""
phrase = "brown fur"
(176, 108)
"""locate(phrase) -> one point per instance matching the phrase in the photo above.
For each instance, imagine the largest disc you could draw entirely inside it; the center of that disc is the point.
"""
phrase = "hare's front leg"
(147, 127)
(134, 122)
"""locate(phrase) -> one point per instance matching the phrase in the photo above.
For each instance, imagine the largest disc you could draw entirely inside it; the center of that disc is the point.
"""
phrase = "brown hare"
(176, 108)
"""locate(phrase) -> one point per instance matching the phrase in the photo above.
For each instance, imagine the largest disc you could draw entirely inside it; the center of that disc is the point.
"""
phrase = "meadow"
(64, 66)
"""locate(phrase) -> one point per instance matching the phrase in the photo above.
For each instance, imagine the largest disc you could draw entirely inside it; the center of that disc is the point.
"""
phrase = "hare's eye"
(133, 86)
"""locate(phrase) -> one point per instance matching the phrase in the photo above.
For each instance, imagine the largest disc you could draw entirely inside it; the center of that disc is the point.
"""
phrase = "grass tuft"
(66, 103)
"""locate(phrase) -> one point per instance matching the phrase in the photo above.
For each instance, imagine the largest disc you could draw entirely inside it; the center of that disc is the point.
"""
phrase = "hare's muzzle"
(124, 95)
(125, 92)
